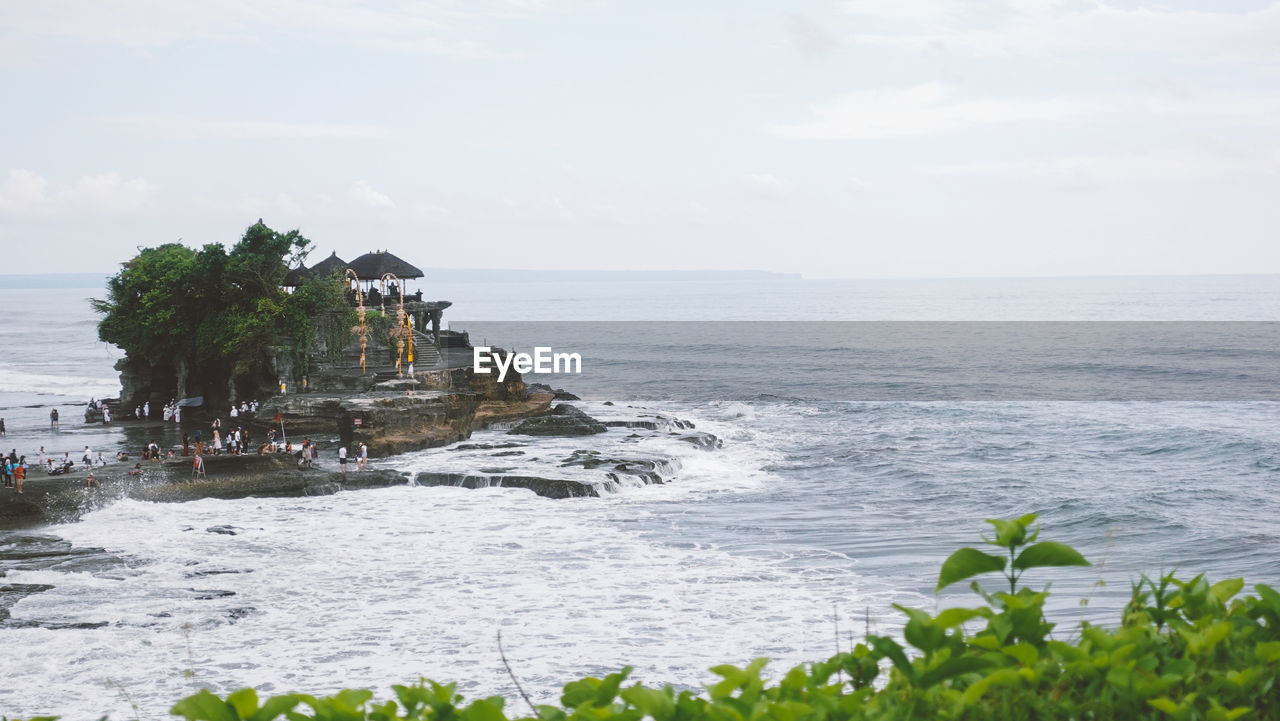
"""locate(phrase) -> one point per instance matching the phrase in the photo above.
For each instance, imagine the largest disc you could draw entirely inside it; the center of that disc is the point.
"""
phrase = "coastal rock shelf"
(546, 487)
(629, 450)
(55, 499)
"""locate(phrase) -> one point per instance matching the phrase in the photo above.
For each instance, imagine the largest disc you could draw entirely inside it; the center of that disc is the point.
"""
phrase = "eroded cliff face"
(391, 422)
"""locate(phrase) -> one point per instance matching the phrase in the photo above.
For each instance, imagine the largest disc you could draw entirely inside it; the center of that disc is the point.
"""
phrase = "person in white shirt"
(364, 457)
(342, 458)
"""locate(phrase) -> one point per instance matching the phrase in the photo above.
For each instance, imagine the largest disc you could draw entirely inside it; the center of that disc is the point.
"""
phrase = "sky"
(845, 138)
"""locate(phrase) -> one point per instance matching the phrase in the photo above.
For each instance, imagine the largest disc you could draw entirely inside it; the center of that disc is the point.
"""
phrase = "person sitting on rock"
(91, 481)
(136, 470)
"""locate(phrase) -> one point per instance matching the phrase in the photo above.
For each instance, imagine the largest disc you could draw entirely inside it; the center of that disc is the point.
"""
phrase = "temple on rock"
(397, 333)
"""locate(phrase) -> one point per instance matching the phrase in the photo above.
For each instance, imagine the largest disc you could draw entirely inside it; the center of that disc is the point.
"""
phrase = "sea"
(853, 462)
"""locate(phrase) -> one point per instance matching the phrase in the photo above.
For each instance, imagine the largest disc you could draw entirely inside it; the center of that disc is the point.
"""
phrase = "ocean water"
(818, 513)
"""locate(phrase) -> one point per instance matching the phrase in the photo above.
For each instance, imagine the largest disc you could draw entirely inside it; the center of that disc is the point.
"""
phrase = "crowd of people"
(234, 439)
(95, 405)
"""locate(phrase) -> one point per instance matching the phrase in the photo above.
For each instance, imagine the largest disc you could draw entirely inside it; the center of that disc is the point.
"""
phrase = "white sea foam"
(374, 587)
(75, 386)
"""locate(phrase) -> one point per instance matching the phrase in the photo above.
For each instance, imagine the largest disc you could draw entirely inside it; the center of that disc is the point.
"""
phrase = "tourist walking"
(88, 457)
(53, 419)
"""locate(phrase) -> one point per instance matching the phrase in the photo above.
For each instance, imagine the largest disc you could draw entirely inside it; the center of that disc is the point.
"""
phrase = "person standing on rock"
(88, 457)
(217, 442)
(342, 459)
(2, 431)
(20, 472)
(53, 419)
(364, 457)
(146, 411)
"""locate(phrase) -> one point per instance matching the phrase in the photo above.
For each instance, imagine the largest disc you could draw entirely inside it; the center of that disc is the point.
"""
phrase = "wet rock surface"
(563, 420)
(703, 440)
(57, 499)
(559, 394)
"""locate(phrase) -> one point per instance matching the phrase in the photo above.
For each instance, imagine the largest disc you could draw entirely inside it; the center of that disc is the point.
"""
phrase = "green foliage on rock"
(318, 308)
(1184, 650)
(214, 313)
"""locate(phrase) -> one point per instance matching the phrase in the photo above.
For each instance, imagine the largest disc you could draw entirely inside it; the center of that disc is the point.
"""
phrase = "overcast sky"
(865, 138)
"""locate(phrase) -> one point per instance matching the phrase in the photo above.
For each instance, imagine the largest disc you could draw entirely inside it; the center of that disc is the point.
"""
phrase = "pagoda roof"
(372, 266)
(295, 276)
(327, 266)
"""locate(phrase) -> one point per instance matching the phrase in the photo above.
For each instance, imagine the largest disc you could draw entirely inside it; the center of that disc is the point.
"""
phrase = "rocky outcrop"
(563, 420)
(702, 439)
(649, 470)
(49, 499)
(559, 394)
(391, 423)
(546, 487)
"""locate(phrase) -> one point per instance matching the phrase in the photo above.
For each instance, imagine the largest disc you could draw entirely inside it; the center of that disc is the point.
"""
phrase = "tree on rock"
(210, 317)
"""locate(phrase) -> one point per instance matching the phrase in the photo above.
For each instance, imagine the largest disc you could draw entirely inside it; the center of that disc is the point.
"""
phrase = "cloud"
(921, 110)
(1046, 27)
(288, 205)
(23, 192)
(435, 215)
(423, 26)
(698, 213)
(914, 11)
(364, 194)
(1223, 163)
(27, 193)
(556, 211)
(766, 186)
(110, 193)
(186, 127)
(809, 37)
(551, 210)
